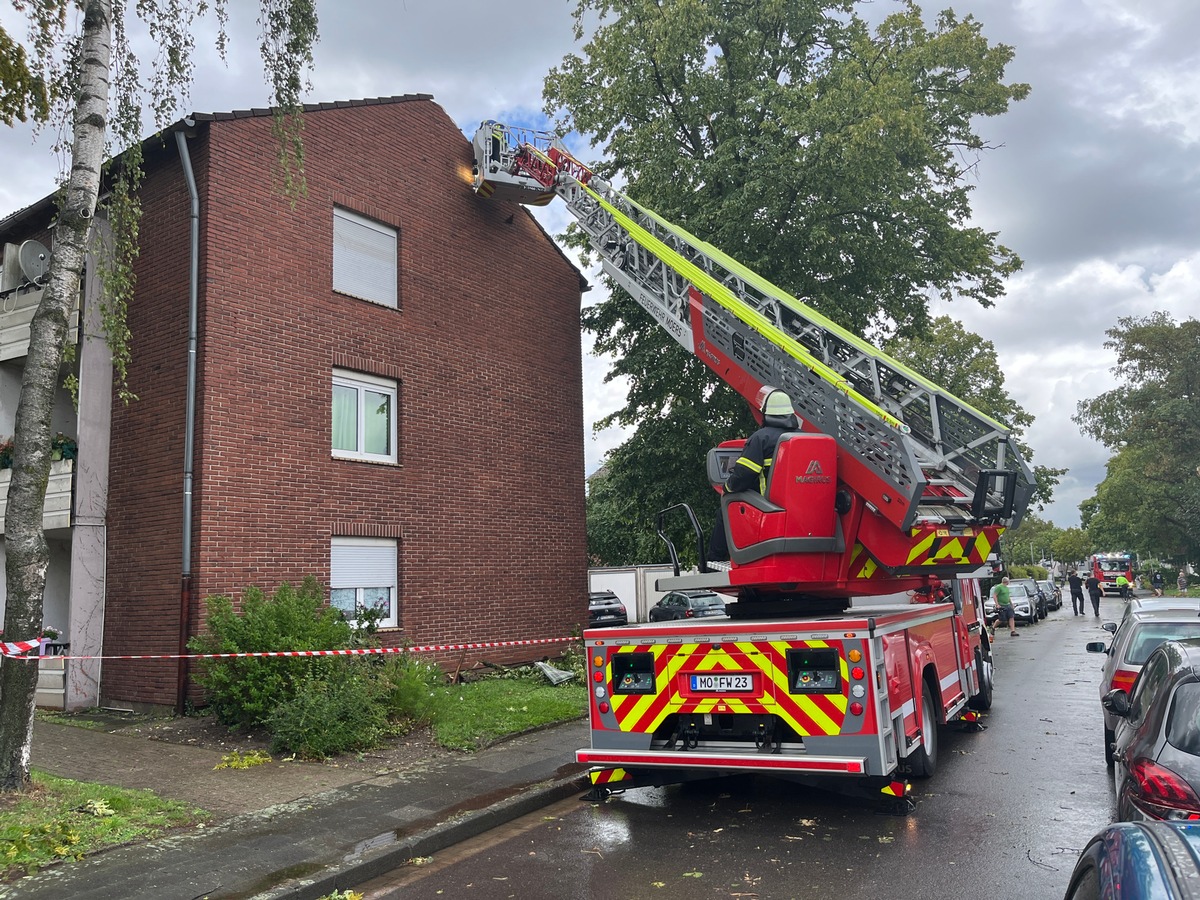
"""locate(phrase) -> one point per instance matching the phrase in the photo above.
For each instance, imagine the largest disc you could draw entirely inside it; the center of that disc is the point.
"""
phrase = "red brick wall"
(487, 502)
(145, 504)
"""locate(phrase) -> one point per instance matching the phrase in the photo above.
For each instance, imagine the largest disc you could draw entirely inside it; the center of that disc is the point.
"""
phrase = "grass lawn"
(471, 716)
(58, 819)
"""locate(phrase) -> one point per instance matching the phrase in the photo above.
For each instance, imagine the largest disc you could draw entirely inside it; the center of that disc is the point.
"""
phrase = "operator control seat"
(798, 514)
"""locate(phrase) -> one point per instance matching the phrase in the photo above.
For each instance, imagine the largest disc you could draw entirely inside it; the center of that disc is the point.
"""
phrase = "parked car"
(687, 605)
(1138, 861)
(1031, 585)
(1156, 753)
(1133, 642)
(1052, 592)
(1024, 604)
(606, 608)
(1141, 604)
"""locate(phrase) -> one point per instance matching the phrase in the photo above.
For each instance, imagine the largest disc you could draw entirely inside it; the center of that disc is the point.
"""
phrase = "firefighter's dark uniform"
(754, 465)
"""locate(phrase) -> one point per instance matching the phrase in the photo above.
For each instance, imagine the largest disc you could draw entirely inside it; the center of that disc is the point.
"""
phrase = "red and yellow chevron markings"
(766, 661)
(609, 776)
(936, 546)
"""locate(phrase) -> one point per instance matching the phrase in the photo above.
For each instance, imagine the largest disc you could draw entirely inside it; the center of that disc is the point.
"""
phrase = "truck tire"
(923, 761)
(982, 701)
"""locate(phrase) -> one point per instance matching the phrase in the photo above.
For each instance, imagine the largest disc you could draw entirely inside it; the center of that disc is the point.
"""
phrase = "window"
(1183, 724)
(1146, 687)
(363, 575)
(364, 258)
(364, 417)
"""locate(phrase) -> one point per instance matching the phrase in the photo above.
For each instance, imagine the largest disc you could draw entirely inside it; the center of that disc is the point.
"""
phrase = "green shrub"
(327, 716)
(244, 693)
(406, 687)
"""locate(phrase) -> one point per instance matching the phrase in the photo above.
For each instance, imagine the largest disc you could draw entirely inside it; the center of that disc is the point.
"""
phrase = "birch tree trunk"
(27, 555)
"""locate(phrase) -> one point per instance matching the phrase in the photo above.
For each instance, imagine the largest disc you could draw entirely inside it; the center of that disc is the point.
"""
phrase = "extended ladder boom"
(916, 453)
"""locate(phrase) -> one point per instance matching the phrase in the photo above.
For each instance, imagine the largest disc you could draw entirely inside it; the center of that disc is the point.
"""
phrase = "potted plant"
(61, 447)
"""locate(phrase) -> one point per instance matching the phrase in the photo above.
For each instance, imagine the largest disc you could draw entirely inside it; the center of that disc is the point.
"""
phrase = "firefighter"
(1094, 592)
(750, 471)
(1076, 585)
(1123, 586)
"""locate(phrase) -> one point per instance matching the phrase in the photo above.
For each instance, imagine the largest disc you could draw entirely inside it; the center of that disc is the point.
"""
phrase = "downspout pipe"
(189, 435)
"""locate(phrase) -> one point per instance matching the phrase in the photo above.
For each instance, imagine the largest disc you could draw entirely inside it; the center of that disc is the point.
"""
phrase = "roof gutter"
(189, 440)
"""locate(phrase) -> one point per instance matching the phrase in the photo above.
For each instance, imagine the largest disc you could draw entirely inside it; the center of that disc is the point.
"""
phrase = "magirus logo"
(814, 474)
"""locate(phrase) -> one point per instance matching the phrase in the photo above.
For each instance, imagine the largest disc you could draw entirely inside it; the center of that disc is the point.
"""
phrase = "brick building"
(387, 396)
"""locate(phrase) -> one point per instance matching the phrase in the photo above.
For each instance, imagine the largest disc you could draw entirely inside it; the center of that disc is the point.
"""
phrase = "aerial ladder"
(891, 484)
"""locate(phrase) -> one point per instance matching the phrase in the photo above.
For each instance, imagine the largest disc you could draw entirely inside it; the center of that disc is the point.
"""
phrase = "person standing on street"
(1182, 582)
(1093, 589)
(1123, 586)
(1156, 582)
(1004, 608)
(1076, 585)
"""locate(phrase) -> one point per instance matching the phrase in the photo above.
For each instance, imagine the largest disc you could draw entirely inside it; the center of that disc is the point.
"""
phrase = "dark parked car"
(1139, 634)
(687, 605)
(1138, 861)
(1157, 747)
(1053, 593)
(606, 608)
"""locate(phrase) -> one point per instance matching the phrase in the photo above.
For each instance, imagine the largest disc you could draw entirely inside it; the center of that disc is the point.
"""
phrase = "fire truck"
(854, 625)
(1107, 566)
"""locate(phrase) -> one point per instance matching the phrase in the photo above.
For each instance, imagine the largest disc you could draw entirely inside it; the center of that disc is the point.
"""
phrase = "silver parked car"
(1025, 604)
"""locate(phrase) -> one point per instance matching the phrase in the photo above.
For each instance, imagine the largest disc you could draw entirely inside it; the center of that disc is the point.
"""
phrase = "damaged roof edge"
(43, 208)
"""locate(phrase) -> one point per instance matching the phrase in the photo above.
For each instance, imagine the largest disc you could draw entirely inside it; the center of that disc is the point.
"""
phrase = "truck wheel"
(983, 674)
(923, 760)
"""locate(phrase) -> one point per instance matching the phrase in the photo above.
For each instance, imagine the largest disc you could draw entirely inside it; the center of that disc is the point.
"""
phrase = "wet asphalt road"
(1005, 816)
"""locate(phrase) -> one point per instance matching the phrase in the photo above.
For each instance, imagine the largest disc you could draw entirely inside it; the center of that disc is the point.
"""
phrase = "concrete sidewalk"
(297, 830)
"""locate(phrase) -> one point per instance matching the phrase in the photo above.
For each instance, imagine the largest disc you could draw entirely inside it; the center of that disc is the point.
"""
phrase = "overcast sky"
(1095, 182)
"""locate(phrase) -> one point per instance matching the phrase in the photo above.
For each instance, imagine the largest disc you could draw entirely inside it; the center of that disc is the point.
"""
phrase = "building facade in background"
(377, 369)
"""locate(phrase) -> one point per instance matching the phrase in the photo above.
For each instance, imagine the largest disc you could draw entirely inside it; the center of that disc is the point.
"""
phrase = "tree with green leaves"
(829, 157)
(967, 366)
(1150, 497)
(90, 86)
(1072, 545)
(1030, 541)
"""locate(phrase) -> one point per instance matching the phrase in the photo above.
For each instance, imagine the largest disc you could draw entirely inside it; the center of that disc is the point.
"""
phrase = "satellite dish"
(34, 260)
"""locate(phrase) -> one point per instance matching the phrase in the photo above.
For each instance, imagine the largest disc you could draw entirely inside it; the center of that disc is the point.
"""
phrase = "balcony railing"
(16, 312)
(57, 511)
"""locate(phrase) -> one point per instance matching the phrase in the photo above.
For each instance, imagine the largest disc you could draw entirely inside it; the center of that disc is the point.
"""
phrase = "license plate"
(723, 684)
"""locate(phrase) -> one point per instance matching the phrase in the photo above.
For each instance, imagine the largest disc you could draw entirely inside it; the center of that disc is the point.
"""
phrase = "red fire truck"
(854, 627)
(1106, 567)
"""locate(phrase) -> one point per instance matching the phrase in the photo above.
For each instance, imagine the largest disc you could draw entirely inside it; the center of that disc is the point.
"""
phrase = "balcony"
(57, 511)
(16, 314)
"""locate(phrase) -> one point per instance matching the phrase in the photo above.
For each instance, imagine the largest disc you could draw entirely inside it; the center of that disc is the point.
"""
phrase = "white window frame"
(362, 383)
(363, 565)
(364, 258)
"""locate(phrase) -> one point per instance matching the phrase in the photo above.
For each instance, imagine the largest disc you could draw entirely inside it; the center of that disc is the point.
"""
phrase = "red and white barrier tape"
(15, 649)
